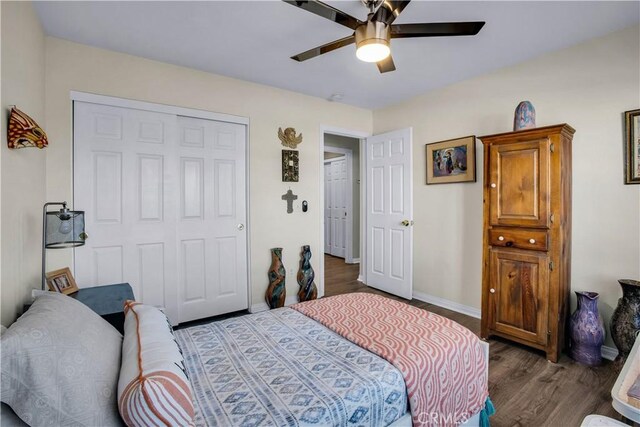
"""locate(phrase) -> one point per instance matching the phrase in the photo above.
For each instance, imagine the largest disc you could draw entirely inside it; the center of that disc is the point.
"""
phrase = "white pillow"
(60, 365)
(153, 389)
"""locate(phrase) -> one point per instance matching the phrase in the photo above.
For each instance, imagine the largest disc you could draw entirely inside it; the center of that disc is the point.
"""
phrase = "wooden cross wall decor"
(289, 197)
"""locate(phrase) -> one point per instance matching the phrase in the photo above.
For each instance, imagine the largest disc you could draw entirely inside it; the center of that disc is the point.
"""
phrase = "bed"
(276, 368)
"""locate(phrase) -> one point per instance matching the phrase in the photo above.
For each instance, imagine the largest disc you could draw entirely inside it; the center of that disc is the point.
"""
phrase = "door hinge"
(551, 265)
(552, 218)
(552, 147)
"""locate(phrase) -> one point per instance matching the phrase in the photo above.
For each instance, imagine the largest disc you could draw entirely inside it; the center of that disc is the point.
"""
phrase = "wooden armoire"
(526, 271)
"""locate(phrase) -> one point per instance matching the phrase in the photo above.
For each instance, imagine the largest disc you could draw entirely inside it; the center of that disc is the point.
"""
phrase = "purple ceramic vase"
(586, 330)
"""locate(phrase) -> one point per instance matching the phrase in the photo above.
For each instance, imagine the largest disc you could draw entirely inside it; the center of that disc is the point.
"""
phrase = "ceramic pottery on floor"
(277, 291)
(587, 330)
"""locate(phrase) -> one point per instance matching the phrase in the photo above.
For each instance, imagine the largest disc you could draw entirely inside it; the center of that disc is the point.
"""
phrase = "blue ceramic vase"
(525, 116)
(308, 290)
(625, 321)
(587, 330)
(277, 290)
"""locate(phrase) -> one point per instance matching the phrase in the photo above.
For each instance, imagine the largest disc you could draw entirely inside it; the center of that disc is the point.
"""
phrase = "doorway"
(341, 211)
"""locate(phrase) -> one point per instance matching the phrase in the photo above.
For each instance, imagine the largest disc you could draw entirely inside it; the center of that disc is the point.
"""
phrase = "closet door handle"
(240, 227)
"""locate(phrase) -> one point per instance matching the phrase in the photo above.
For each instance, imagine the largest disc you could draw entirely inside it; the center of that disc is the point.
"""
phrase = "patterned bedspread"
(281, 368)
(443, 363)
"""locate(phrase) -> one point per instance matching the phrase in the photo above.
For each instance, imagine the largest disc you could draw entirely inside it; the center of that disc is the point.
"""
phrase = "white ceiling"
(253, 40)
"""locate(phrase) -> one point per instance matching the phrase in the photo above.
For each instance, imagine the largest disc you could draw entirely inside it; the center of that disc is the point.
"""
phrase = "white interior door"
(327, 208)
(336, 209)
(389, 213)
(139, 181)
(212, 244)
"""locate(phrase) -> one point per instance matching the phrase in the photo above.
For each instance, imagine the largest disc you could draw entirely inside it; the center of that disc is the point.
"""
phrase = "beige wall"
(588, 86)
(23, 171)
(352, 144)
(77, 67)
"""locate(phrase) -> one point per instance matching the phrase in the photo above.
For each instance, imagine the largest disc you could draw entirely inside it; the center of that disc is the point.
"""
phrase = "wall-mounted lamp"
(62, 228)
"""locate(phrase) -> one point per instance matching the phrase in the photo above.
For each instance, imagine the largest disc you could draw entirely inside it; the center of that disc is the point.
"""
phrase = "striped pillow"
(153, 389)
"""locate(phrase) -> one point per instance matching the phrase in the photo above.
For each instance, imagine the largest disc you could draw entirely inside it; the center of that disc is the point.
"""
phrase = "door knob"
(240, 227)
(532, 241)
(501, 238)
(493, 185)
(406, 223)
(493, 291)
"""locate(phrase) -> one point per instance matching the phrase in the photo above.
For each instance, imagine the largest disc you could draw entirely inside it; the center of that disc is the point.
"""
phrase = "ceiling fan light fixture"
(372, 41)
(373, 51)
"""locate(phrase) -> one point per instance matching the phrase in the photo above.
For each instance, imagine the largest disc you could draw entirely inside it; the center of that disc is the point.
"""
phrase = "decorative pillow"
(153, 389)
(60, 365)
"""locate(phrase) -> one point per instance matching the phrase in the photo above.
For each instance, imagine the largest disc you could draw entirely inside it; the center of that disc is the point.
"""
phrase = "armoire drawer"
(524, 239)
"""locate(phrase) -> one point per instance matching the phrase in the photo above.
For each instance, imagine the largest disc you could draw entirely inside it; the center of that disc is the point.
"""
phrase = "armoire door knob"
(532, 241)
(501, 238)
(493, 185)
(493, 291)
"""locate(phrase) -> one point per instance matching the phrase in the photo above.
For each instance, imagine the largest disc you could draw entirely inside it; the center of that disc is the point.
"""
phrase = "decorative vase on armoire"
(586, 329)
(308, 290)
(276, 291)
(625, 321)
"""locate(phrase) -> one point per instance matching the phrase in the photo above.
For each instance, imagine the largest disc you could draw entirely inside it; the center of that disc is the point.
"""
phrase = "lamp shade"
(64, 229)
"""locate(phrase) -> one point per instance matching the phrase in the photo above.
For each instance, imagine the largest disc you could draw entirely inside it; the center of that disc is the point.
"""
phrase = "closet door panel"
(124, 164)
(214, 213)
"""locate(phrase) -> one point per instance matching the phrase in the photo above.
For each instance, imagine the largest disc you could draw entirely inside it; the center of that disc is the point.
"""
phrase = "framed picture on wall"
(632, 147)
(62, 281)
(450, 161)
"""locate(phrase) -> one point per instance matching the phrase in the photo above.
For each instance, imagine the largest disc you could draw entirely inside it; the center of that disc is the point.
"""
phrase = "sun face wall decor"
(24, 132)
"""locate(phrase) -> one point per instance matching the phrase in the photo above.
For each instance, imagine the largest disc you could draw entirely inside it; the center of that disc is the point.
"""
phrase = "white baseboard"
(448, 304)
(263, 306)
(360, 278)
(609, 353)
(355, 261)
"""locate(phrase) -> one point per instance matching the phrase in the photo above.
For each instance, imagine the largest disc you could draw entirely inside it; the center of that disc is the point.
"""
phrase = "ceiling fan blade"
(436, 29)
(326, 11)
(386, 65)
(389, 10)
(317, 51)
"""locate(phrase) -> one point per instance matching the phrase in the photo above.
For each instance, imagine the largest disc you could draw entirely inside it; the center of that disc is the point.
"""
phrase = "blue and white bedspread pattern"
(281, 368)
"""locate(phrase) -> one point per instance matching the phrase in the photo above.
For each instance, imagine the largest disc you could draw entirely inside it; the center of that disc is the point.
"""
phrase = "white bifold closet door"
(165, 202)
(335, 200)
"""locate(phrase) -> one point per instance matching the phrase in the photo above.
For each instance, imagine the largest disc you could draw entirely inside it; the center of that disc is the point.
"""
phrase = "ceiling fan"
(372, 37)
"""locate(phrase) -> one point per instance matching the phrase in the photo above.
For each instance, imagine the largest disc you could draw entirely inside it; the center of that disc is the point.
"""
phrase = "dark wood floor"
(525, 389)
